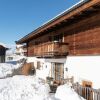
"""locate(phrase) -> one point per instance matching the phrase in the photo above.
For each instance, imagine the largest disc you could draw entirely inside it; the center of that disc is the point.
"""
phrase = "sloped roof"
(4, 45)
(49, 23)
(66, 11)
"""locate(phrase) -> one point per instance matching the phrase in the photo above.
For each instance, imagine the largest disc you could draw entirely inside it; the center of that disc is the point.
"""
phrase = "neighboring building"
(13, 55)
(21, 50)
(68, 45)
(3, 49)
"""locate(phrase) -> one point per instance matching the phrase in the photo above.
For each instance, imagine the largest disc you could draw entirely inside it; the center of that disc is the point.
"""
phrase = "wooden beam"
(97, 7)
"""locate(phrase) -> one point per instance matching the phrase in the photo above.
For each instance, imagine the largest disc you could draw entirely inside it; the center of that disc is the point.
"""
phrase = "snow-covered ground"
(33, 88)
(42, 73)
(10, 68)
(65, 92)
(23, 88)
(7, 69)
(19, 87)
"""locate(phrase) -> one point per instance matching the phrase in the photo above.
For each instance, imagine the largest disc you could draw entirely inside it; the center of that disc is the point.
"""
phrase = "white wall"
(43, 60)
(46, 64)
(85, 68)
(60, 60)
(81, 67)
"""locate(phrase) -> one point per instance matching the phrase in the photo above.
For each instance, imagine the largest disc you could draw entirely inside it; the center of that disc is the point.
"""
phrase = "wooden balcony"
(51, 49)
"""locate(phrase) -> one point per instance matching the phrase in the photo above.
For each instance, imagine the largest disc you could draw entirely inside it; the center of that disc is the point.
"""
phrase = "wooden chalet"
(73, 33)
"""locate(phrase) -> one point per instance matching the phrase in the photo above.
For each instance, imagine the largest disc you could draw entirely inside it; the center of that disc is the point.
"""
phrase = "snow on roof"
(4, 45)
(66, 11)
(63, 13)
(19, 45)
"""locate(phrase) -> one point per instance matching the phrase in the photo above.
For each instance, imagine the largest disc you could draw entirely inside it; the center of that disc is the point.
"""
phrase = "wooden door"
(57, 71)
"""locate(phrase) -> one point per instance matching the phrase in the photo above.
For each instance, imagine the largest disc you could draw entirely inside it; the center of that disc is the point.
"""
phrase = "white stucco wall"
(85, 68)
(81, 67)
(46, 64)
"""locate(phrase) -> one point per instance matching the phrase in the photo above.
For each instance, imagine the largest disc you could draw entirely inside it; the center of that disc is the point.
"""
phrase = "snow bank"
(12, 67)
(23, 88)
(7, 69)
(65, 92)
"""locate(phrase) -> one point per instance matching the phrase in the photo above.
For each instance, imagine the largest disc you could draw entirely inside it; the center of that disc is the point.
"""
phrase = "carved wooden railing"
(51, 49)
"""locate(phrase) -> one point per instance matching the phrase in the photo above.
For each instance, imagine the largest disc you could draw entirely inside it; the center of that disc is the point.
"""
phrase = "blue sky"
(20, 17)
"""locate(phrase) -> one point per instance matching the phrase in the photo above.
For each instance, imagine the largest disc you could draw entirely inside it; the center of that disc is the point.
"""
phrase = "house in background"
(15, 53)
(3, 49)
(69, 44)
(21, 50)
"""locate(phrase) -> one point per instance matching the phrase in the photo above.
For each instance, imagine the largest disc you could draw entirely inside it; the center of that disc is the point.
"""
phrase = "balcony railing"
(51, 49)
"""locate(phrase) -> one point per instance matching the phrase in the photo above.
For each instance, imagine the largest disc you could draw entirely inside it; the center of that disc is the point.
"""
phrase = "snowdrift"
(23, 88)
(65, 92)
(11, 68)
(7, 70)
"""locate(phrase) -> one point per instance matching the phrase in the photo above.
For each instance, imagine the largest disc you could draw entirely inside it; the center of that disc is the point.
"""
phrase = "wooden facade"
(49, 49)
(76, 32)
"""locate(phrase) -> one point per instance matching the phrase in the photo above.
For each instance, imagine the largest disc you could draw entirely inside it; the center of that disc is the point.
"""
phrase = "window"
(56, 38)
(10, 58)
(38, 65)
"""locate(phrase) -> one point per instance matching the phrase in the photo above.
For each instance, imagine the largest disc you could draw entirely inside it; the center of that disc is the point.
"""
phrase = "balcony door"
(57, 71)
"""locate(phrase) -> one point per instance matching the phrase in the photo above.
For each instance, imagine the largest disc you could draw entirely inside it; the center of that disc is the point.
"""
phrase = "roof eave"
(33, 33)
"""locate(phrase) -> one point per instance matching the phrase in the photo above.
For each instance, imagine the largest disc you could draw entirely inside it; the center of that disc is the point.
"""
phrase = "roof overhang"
(1, 46)
(76, 10)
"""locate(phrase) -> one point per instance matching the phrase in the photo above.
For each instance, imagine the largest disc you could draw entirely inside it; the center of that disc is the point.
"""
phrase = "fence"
(68, 80)
(86, 92)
